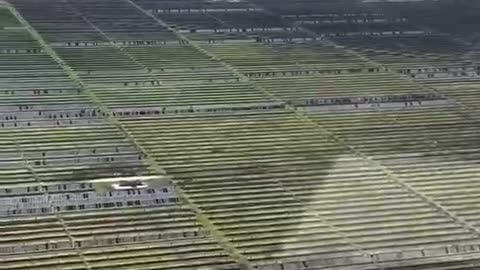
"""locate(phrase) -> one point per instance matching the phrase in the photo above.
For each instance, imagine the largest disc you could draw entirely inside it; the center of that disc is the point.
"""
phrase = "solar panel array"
(298, 135)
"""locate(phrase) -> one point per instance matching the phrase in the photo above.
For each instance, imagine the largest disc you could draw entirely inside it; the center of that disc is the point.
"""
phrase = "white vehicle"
(131, 184)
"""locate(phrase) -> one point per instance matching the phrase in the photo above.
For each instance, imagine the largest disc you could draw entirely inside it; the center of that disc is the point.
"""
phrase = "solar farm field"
(281, 135)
